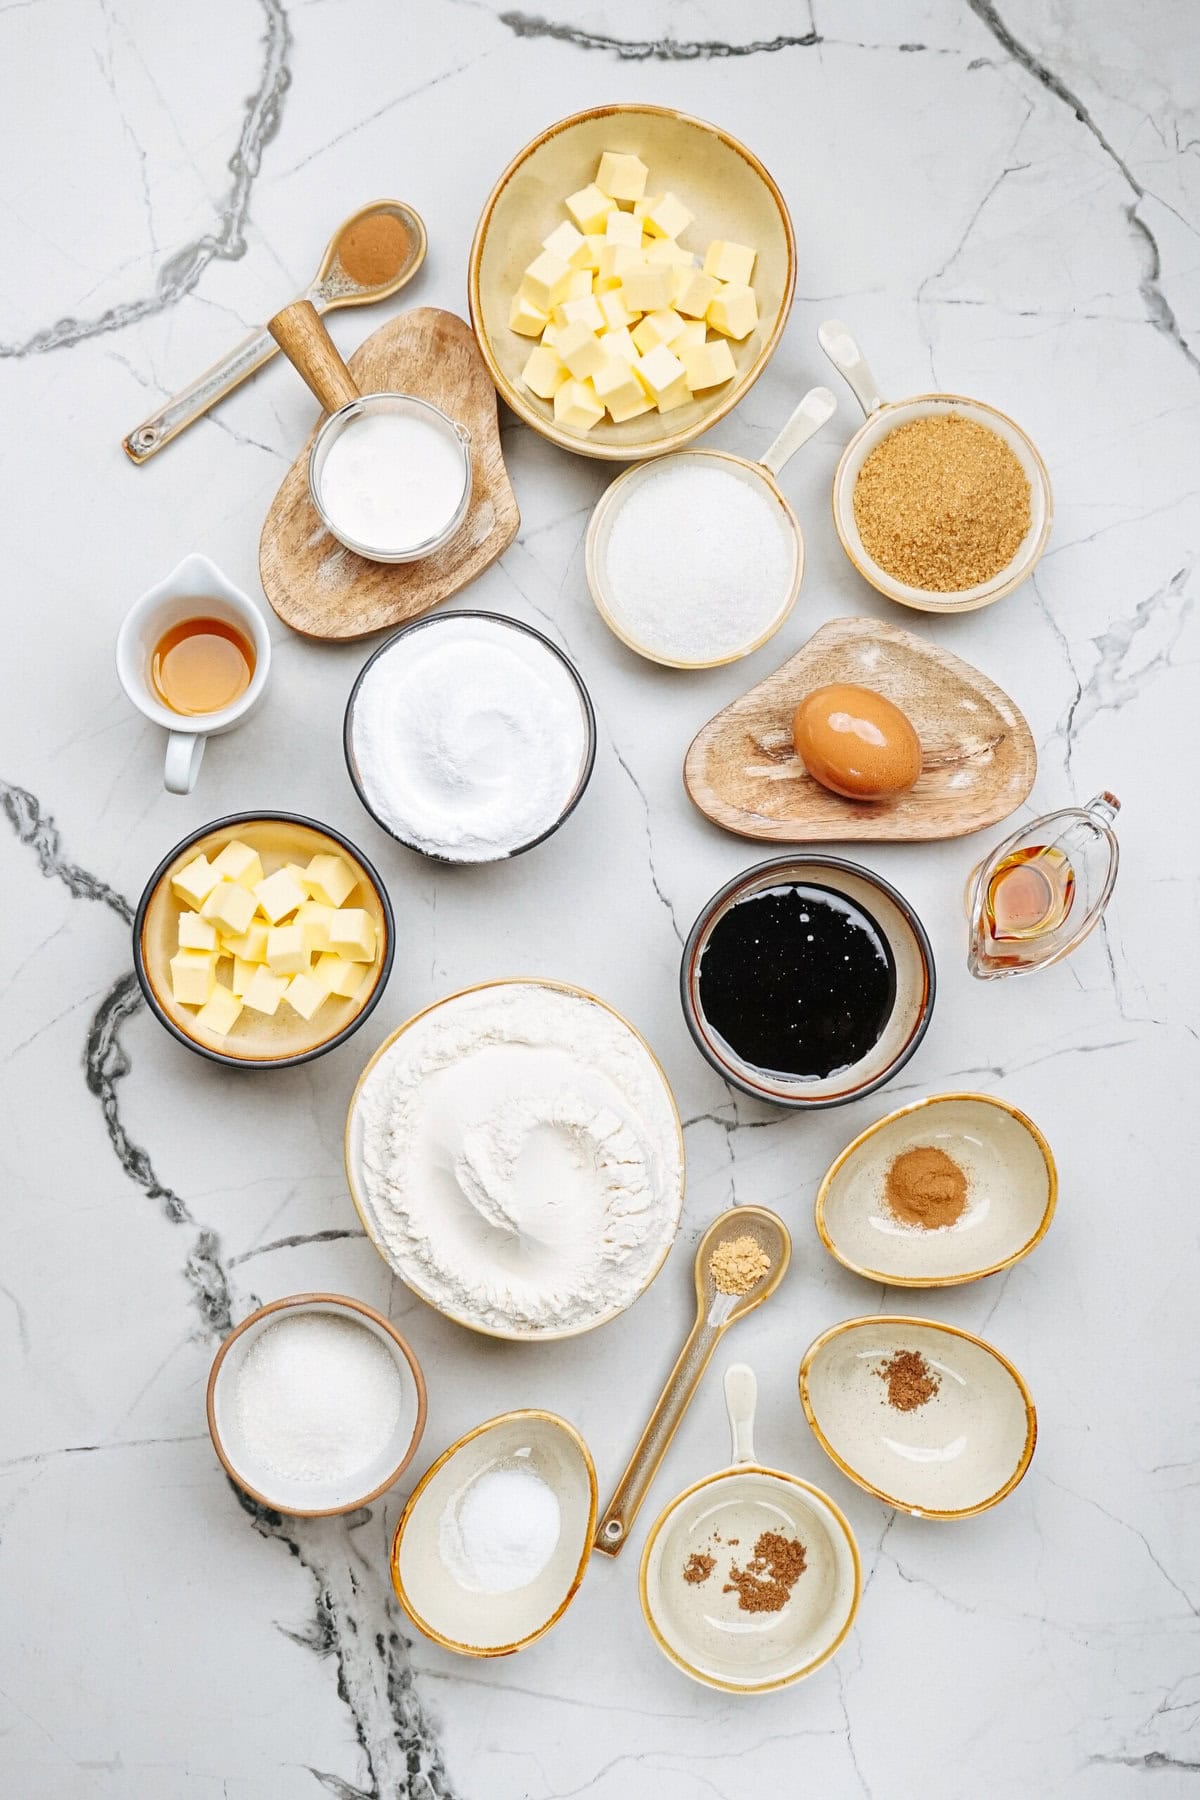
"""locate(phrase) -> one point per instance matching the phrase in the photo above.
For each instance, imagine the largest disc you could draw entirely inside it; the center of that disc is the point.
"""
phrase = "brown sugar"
(942, 503)
(910, 1380)
(925, 1187)
(737, 1264)
(766, 1582)
(374, 249)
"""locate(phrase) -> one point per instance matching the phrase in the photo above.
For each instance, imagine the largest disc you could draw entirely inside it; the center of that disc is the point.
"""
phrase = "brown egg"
(855, 742)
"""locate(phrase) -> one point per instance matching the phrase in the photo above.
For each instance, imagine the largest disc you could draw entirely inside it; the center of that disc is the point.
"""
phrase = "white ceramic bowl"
(1012, 1187)
(958, 1453)
(496, 1624)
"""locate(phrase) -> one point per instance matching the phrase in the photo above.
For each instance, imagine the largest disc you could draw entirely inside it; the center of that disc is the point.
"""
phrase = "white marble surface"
(1003, 202)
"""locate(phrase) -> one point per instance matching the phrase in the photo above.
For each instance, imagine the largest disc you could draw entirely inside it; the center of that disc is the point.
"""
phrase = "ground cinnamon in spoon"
(374, 249)
(925, 1187)
(910, 1380)
(766, 1582)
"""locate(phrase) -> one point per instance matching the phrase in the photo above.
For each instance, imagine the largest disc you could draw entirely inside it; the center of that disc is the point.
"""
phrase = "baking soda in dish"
(699, 560)
(501, 1530)
(318, 1398)
(392, 481)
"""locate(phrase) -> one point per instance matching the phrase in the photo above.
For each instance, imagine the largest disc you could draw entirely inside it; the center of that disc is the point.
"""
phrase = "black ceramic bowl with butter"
(257, 1039)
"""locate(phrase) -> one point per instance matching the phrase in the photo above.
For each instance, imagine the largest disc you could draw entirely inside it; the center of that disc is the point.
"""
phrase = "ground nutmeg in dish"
(942, 503)
(925, 1187)
(910, 1380)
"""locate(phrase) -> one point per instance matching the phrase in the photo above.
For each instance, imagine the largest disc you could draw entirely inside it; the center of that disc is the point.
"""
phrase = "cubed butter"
(694, 292)
(243, 974)
(352, 929)
(695, 331)
(616, 260)
(196, 882)
(619, 342)
(220, 1012)
(567, 242)
(230, 907)
(707, 365)
(729, 262)
(337, 976)
(330, 879)
(579, 285)
(657, 328)
(545, 372)
(280, 894)
(196, 933)
(589, 257)
(647, 289)
(251, 946)
(305, 995)
(621, 176)
(620, 390)
(666, 216)
(287, 952)
(238, 862)
(313, 919)
(623, 228)
(659, 371)
(666, 250)
(526, 319)
(590, 208)
(614, 310)
(193, 976)
(545, 280)
(733, 311)
(576, 405)
(580, 312)
(550, 334)
(579, 348)
(265, 991)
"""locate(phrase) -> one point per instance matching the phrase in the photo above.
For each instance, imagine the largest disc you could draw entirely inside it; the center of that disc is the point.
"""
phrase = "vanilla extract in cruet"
(798, 981)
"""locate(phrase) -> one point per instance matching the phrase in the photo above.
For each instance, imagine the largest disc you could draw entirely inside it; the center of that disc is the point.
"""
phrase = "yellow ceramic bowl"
(717, 178)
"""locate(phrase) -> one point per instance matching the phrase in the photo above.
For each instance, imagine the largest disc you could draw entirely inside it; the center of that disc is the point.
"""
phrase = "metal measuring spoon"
(332, 286)
(715, 1313)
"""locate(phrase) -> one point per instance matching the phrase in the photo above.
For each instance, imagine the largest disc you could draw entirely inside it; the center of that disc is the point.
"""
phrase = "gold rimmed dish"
(1011, 1193)
(497, 1623)
(717, 178)
(945, 1436)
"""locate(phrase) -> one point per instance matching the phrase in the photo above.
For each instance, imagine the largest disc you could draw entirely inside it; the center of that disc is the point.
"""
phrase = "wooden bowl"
(716, 177)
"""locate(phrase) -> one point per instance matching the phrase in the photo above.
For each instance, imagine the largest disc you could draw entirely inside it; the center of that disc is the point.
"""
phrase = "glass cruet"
(1042, 890)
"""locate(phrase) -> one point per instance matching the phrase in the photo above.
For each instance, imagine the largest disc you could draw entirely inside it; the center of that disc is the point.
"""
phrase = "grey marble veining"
(1002, 199)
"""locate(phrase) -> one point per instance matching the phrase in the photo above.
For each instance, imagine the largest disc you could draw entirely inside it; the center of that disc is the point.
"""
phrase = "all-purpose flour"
(520, 1158)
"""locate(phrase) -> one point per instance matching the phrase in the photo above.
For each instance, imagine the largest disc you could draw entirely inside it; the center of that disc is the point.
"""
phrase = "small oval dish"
(1011, 1192)
(429, 1540)
(716, 1552)
(257, 1039)
(243, 1458)
(716, 177)
(924, 1416)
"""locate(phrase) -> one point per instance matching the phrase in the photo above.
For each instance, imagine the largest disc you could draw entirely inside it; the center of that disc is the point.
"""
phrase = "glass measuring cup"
(1041, 891)
(332, 286)
(817, 406)
(882, 417)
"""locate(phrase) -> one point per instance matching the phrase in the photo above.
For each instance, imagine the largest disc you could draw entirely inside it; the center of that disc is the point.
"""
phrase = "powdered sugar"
(500, 1531)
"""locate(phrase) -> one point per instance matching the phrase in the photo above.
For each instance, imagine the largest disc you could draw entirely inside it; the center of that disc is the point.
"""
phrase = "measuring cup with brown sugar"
(370, 256)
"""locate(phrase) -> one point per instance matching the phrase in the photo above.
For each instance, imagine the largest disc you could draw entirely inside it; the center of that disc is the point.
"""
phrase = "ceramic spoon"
(715, 1313)
(331, 287)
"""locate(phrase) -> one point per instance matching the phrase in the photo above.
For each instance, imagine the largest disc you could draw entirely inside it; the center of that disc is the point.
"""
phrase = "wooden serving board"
(980, 758)
(319, 587)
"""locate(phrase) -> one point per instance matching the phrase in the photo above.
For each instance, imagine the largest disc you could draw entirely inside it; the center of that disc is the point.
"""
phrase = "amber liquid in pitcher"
(1030, 893)
(201, 666)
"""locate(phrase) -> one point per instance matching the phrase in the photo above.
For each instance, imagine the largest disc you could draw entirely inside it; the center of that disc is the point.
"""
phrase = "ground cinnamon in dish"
(766, 1582)
(942, 503)
(737, 1263)
(925, 1187)
(374, 250)
(910, 1380)
(698, 1567)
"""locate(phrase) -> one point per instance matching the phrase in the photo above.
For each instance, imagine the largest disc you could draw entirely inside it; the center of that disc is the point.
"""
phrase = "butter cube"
(313, 919)
(647, 289)
(243, 974)
(250, 947)
(619, 342)
(265, 991)
(230, 906)
(550, 335)
(660, 372)
(238, 862)
(666, 217)
(196, 933)
(352, 932)
(589, 256)
(616, 260)
(220, 1012)
(623, 228)
(305, 995)
(620, 390)
(729, 262)
(337, 976)
(666, 250)
(576, 405)
(707, 365)
(280, 894)
(545, 372)
(614, 311)
(526, 319)
(694, 292)
(733, 311)
(577, 346)
(624, 177)
(579, 285)
(330, 879)
(695, 331)
(580, 312)
(566, 242)
(193, 976)
(590, 208)
(545, 280)
(287, 952)
(657, 328)
(196, 882)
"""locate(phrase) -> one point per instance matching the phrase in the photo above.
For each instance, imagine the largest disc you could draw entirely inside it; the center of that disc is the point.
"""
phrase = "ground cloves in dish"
(910, 1380)
(766, 1582)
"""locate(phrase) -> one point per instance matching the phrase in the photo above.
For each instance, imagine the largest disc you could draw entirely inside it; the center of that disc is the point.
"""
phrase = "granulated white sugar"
(318, 1397)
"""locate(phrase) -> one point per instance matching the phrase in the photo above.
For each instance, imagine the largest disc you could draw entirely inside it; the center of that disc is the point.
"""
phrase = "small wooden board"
(980, 758)
(322, 589)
